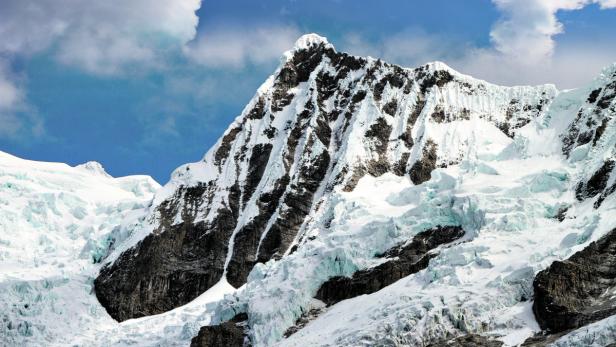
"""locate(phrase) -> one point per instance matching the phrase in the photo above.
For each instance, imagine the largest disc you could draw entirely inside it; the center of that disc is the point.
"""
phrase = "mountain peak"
(308, 41)
(94, 167)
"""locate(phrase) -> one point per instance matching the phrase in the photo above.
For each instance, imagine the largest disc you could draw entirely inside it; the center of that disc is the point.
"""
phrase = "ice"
(60, 224)
(55, 230)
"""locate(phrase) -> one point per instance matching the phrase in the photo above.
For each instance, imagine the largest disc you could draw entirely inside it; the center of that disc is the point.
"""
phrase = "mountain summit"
(322, 122)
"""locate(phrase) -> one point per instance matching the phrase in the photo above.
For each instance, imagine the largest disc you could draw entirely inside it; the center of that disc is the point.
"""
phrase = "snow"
(308, 40)
(56, 223)
(59, 224)
(504, 192)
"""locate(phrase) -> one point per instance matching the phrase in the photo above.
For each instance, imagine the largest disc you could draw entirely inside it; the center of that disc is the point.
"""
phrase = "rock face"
(226, 334)
(403, 261)
(470, 340)
(586, 134)
(322, 121)
(578, 291)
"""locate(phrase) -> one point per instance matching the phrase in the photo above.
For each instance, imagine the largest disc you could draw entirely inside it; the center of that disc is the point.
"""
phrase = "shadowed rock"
(578, 291)
(403, 261)
(169, 269)
(597, 182)
(421, 171)
(471, 340)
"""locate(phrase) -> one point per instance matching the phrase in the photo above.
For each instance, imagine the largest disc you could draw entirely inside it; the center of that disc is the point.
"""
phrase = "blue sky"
(143, 87)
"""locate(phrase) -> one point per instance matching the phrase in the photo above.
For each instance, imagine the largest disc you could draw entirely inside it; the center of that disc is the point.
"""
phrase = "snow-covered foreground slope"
(56, 224)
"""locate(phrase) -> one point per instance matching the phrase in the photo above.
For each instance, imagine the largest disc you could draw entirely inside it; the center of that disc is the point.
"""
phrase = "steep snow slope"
(56, 224)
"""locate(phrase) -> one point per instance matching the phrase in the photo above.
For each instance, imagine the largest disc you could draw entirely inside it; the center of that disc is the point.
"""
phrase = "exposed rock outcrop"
(402, 261)
(228, 334)
(323, 121)
(578, 291)
(471, 340)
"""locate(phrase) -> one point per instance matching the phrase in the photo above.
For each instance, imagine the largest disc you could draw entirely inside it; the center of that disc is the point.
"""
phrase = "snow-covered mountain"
(57, 222)
(353, 202)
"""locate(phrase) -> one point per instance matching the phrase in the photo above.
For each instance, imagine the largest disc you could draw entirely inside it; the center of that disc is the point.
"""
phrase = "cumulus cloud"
(101, 37)
(236, 47)
(527, 28)
(107, 37)
(410, 47)
(523, 49)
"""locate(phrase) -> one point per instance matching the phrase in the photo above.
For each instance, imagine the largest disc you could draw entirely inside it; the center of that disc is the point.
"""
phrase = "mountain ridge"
(302, 116)
(433, 203)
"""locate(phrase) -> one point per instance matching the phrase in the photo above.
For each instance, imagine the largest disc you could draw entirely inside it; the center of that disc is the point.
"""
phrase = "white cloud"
(410, 47)
(11, 99)
(16, 117)
(234, 47)
(527, 28)
(523, 51)
(101, 37)
(108, 37)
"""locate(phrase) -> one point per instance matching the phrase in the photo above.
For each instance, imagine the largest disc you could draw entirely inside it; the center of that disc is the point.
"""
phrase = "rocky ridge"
(321, 122)
(277, 183)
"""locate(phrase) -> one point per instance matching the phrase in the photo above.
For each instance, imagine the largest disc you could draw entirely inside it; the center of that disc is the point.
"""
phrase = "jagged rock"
(597, 182)
(404, 260)
(471, 340)
(422, 169)
(227, 334)
(543, 339)
(303, 320)
(169, 269)
(575, 292)
(324, 120)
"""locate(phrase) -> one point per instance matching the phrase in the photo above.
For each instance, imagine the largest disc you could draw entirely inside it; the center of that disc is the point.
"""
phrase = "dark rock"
(395, 80)
(227, 334)
(438, 115)
(608, 96)
(599, 132)
(575, 292)
(379, 132)
(258, 111)
(169, 268)
(562, 213)
(430, 79)
(391, 107)
(607, 192)
(296, 206)
(403, 261)
(421, 171)
(470, 340)
(543, 339)
(259, 159)
(592, 98)
(186, 256)
(225, 147)
(597, 182)
(399, 168)
(302, 321)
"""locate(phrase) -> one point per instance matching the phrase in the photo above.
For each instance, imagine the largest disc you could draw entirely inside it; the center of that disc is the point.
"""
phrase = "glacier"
(510, 168)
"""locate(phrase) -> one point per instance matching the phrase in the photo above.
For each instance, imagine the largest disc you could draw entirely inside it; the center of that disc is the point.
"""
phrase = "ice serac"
(401, 262)
(57, 223)
(322, 121)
